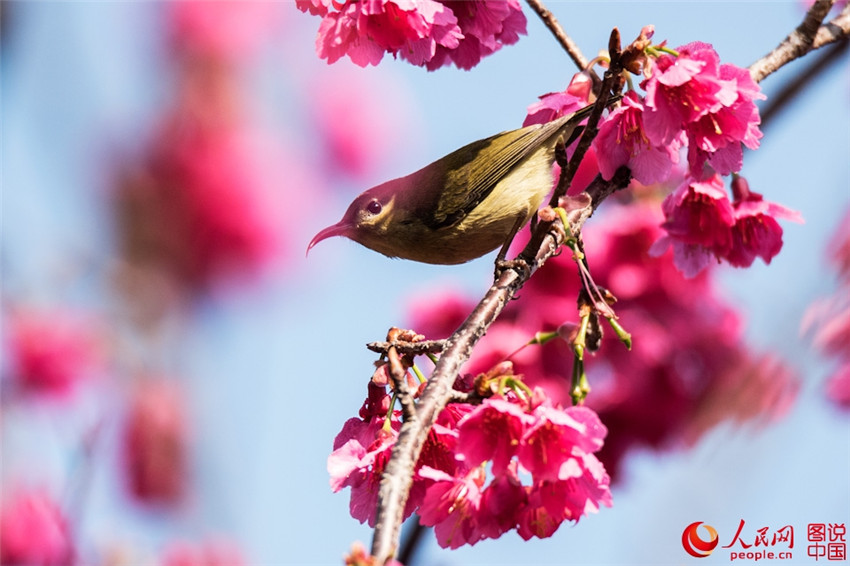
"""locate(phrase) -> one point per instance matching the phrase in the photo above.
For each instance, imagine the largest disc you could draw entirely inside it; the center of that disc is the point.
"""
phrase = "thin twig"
(779, 101)
(414, 348)
(399, 376)
(837, 28)
(566, 42)
(802, 40)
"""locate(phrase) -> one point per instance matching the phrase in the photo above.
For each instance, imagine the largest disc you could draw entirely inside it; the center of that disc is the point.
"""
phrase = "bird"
(464, 205)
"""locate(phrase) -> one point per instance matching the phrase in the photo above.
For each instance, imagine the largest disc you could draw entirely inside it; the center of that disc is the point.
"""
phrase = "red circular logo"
(696, 546)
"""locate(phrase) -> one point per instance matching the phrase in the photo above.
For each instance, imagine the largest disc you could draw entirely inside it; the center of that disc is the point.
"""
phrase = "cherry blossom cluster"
(703, 226)
(515, 461)
(665, 392)
(199, 206)
(692, 102)
(830, 317)
(426, 33)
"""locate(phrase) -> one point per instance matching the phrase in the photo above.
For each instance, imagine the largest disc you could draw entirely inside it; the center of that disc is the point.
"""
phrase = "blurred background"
(175, 370)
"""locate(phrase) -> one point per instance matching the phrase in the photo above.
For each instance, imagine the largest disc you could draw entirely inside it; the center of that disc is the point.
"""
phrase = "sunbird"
(463, 205)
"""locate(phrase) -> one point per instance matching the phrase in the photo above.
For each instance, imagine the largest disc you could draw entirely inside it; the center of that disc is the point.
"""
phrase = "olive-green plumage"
(463, 205)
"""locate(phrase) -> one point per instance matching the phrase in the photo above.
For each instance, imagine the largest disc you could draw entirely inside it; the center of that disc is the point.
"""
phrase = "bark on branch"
(808, 36)
(566, 41)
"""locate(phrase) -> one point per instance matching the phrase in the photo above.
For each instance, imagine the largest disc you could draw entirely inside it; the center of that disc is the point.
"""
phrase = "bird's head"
(369, 220)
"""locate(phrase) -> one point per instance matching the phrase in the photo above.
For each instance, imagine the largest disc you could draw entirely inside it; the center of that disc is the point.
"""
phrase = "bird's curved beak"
(339, 229)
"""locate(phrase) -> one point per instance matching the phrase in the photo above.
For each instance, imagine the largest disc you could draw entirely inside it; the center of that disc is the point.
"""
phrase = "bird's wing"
(469, 180)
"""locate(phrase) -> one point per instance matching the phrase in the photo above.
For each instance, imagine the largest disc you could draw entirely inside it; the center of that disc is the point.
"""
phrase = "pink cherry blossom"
(50, 351)
(703, 226)
(831, 316)
(557, 104)
(451, 505)
(545, 511)
(699, 212)
(682, 89)
(556, 439)
(366, 30)
(718, 135)
(361, 451)
(440, 450)
(377, 402)
(502, 500)
(156, 442)
(492, 431)
(756, 233)
(699, 220)
(623, 141)
(33, 530)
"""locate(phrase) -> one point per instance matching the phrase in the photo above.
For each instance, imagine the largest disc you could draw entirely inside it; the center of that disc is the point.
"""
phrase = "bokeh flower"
(227, 29)
(50, 351)
(829, 318)
(33, 530)
(155, 443)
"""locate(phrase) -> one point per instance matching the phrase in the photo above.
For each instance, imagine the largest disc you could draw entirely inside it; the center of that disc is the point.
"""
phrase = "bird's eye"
(374, 207)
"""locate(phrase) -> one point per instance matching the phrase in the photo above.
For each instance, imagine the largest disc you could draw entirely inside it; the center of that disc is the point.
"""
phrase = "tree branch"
(809, 35)
(836, 29)
(566, 42)
(779, 101)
